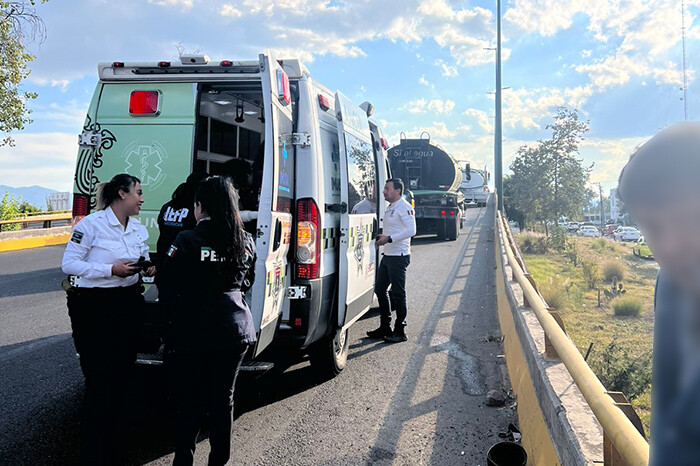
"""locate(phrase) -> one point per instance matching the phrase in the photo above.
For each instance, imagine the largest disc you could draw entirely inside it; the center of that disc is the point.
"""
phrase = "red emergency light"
(323, 102)
(385, 144)
(118, 64)
(226, 63)
(283, 92)
(164, 64)
(144, 103)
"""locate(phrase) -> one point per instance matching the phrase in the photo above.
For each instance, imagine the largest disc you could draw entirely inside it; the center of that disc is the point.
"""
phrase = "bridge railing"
(625, 445)
(46, 219)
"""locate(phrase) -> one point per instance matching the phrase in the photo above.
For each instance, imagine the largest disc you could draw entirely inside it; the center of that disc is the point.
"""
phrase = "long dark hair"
(219, 199)
(109, 192)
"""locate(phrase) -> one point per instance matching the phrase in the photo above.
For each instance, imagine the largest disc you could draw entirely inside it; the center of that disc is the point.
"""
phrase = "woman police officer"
(202, 283)
(103, 303)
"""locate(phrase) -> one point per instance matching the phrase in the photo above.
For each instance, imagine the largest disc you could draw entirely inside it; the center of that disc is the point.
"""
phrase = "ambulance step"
(257, 366)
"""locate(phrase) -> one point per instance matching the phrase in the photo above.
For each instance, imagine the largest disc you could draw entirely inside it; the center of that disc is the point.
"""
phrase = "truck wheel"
(330, 355)
(441, 229)
(453, 230)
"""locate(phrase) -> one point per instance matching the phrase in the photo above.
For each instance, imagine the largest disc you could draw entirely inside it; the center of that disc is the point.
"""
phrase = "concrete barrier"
(36, 238)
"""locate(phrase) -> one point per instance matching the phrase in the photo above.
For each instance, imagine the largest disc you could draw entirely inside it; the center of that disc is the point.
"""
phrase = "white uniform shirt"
(400, 224)
(100, 241)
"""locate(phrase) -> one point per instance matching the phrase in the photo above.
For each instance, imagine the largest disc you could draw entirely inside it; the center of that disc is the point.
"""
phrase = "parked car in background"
(610, 229)
(641, 249)
(626, 234)
(589, 231)
(572, 227)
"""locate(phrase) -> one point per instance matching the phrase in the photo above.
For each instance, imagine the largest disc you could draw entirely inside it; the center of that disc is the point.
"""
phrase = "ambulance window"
(362, 183)
(285, 185)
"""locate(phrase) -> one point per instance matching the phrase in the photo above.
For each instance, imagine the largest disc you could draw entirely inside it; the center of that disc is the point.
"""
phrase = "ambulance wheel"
(330, 355)
(453, 230)
(441, 229)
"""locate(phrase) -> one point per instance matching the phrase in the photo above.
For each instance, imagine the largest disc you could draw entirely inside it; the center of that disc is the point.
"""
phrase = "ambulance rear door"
(147, 130)
(358, 224)
(272, 269)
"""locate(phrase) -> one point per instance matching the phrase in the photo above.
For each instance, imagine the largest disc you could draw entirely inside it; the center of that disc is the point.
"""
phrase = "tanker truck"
(433, 178)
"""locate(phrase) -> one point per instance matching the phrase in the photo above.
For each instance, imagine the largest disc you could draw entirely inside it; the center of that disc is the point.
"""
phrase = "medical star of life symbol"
(146, 160)
(360, 252)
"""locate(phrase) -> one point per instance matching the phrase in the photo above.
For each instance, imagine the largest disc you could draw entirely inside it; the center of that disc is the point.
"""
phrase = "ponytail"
(109, 192)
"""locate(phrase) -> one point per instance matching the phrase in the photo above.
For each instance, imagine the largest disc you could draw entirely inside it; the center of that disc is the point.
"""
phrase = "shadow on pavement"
(34, 282)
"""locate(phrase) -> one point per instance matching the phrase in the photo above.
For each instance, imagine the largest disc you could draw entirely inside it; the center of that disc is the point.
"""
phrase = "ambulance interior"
(229, 139)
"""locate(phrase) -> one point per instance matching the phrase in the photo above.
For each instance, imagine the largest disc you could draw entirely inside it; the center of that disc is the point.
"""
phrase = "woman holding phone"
(202, 282)
(104, 299)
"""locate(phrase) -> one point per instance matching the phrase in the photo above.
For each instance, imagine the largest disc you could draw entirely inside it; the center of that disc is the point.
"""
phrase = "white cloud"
(184, 3)
(416, 106)
(62, 83)
(230, 11)
(447, 70)
(481, 118)
(425, 82)
(438, 132)
(441, 107)
(44, 159)
(526, 108)
(645, 35)
(69, 115)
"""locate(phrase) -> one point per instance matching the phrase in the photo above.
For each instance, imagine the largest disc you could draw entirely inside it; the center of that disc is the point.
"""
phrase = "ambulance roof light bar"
(194, 59)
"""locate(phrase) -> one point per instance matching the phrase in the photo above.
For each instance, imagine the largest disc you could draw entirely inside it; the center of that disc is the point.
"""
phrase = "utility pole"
(602, 207)
(498, 142)
(685, 70)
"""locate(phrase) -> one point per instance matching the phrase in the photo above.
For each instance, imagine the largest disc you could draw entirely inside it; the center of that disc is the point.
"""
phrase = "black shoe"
(396, 337)
(379, 333)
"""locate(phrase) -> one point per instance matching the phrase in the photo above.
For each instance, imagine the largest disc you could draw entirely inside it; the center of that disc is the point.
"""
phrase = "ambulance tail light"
(323, 102)
(81, 207)
(385, 144)
(144, 103)
(118, 64)
(308, 239)
(283, 92)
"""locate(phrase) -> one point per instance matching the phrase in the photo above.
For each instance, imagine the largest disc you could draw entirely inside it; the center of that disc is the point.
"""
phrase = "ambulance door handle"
(278, 235)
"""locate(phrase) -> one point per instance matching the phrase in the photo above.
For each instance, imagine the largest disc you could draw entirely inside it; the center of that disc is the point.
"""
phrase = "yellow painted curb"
(36, 242)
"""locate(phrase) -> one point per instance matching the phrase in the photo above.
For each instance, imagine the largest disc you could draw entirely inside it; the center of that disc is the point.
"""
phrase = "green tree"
(549, 180)
(9, 209)
(509, 202)
(26, 208)
(19, 24)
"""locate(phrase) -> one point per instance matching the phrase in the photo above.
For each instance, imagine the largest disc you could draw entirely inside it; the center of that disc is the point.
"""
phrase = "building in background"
(58, 201)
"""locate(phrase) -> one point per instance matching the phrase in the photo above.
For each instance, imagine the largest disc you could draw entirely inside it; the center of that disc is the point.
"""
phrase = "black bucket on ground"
(506, 454)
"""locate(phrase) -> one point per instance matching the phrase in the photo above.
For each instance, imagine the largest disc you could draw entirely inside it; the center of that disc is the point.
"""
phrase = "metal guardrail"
(39, 217)
(629, 444)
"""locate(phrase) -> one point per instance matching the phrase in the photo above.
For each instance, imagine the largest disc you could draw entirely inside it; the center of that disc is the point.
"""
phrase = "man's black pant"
(392, 271)
(103, 323)
(204, 383)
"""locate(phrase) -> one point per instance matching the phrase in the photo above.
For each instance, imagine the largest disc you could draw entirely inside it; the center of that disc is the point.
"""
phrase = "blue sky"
(422, 63)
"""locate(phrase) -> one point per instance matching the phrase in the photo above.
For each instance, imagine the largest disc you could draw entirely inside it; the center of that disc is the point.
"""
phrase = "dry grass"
(587, 323)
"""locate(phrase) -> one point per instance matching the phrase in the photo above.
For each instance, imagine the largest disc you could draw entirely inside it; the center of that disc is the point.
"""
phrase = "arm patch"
(77, 237)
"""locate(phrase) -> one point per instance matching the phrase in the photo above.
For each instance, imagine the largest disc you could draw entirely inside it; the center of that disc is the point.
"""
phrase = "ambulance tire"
(453, 230)
(441, 229)
(330, 355)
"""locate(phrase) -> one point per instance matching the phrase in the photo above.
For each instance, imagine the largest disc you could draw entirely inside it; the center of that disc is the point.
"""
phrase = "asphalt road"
(419, 402)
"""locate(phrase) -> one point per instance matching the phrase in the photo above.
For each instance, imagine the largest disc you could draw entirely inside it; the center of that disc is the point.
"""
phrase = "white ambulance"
(315, 166)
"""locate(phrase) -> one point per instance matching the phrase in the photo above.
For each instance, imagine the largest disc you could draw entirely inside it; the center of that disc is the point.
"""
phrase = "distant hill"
(35, 195)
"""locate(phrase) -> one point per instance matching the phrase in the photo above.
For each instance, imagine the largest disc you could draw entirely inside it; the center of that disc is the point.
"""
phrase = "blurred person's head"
(660, 188)
(393, 189)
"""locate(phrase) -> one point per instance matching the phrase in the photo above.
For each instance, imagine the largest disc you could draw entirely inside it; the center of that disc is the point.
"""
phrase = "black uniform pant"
(204, 384)
(103, 323)
(392, 271)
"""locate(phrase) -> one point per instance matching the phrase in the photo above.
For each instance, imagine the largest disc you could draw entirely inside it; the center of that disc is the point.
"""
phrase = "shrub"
(613, 269)
(571, 251)
(555, 295)
(532, 243)
(619, 372)
(558, 238)
(627, 306)
(591, 277)
(616, 289)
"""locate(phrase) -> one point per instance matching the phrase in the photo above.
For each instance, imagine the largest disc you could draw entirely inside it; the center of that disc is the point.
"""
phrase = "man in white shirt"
(399, 227)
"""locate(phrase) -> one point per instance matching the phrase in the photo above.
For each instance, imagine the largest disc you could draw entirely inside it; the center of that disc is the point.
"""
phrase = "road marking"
(36, 242)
